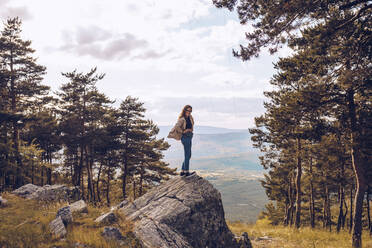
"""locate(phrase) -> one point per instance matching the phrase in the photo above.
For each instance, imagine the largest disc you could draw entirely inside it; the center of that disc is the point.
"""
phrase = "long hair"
(184, 110)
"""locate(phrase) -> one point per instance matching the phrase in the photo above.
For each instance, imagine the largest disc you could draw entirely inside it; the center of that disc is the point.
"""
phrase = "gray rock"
(3, 202)
(181, 212)
(266, 238)
(65, 214)
(244, 241)
(106, 219)
(121, 204)
(57, 227)
(110, 232)
(48, 192)
(79, 207)
(26, 190)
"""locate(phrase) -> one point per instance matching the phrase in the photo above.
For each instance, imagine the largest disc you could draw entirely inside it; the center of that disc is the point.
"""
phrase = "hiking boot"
(182, 173)
(189, 173)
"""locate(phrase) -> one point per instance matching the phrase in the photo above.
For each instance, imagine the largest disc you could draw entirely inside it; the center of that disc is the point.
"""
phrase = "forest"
(316, 132)
(74, 135)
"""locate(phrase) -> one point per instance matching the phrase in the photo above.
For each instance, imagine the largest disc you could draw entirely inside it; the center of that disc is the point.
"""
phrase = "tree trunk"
(291, 202)
(32, 171)
(89, 174)
(108, 187)
(351, 207)
(134, 188)
(298, 185)
(49, 170)
(141, 184)
(82, 184)
(341, 191)
(328, 209)
(98, 178)
(341, 209)
(368, 211)
(312, 210)
(42, 176)
(13, 95)
(359, 171)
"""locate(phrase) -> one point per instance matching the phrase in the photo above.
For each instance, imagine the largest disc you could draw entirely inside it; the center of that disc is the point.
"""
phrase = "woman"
(183, 130)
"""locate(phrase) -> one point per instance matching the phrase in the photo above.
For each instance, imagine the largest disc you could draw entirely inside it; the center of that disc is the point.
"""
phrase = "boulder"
(113, 233)
(244, 241)
(57, 227)
(181, 212)
(65, 214)
(26, 190)
(48, 192)
(79, 207)
(106, 219)
(3, 202)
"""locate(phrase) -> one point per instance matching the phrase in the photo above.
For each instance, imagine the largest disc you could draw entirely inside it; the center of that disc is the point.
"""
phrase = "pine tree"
(22, 77)
(336, 37)
(81, 107)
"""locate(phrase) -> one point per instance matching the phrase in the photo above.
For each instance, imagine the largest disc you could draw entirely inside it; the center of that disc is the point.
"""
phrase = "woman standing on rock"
(183, 130)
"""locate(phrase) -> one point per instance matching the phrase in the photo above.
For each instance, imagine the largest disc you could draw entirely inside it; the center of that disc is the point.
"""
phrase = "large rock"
(181, 212)
(65, 214)
(48, 192)
(26, 190)
(106, 219)
(79, 207)
(57, 227)
(113, 233)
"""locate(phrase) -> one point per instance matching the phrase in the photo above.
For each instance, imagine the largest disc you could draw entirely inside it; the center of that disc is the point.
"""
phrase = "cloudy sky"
(168, 53)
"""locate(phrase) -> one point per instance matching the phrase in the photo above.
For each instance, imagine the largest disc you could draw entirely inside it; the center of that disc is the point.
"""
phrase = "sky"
(168, 53)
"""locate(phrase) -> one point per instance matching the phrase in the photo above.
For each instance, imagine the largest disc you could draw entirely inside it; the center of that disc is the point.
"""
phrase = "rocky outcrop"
(26, 190)
(79, 207)
(48, 192)
(120, 205)
(182, 212)
(106, 219)
(57, 227)
(65, 214)
(113, 233)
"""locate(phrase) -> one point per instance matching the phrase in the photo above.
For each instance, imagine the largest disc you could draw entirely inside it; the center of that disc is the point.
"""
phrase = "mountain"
(228, 160)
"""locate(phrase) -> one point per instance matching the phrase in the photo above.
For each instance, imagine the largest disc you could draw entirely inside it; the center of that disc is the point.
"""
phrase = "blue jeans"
(186, 142)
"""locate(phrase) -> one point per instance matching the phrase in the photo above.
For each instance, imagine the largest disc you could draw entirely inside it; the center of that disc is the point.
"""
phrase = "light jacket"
(177, 130)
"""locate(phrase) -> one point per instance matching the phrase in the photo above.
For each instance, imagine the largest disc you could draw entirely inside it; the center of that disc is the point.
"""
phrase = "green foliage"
(320, 109)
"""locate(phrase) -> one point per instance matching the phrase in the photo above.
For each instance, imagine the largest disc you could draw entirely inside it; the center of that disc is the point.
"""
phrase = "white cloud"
(148, 49)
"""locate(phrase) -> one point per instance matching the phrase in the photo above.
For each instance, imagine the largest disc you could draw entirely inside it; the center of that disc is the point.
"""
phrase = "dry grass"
(286, 237)
(24, 223)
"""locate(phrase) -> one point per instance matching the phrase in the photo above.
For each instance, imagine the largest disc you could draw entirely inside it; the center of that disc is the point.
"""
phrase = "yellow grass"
(287, 237)
(24, 223)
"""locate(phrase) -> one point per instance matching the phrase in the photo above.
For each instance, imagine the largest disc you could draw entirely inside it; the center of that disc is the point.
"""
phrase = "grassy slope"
(24, 223)
(286, 237)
